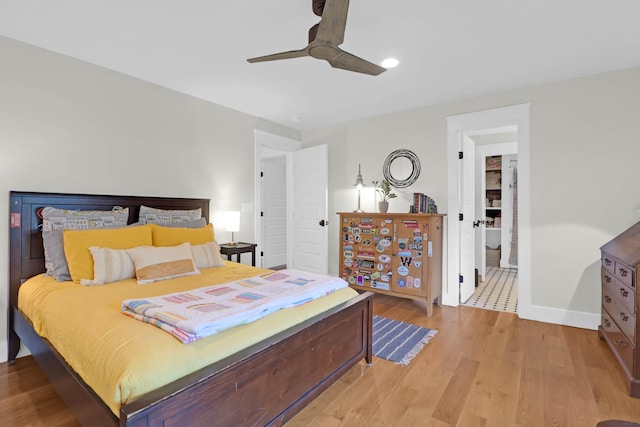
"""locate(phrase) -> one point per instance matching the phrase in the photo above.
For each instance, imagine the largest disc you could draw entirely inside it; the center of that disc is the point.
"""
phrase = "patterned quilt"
(198, 313)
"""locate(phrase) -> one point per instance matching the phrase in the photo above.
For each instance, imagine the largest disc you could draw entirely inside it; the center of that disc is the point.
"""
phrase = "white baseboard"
(577, 319)
(4, 351)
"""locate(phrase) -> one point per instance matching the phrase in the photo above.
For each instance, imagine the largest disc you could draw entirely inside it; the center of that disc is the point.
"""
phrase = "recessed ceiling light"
(390, 63)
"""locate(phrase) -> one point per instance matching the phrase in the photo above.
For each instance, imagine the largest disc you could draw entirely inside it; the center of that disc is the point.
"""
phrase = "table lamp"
(233, 224)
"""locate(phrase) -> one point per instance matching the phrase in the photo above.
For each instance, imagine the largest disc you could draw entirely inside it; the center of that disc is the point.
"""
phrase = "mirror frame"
(415, 171)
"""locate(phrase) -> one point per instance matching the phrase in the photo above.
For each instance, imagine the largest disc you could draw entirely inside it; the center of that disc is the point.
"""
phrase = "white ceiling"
(448, 49)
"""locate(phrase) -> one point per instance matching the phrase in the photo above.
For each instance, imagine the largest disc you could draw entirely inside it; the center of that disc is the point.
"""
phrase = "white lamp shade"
(233, 221)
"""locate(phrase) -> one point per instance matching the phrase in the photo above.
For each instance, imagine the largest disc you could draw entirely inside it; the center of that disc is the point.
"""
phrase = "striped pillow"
(160, 263)
(207, 255)
(109, 265)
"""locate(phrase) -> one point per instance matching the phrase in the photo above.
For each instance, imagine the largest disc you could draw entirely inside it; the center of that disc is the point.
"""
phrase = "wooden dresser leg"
(429, 308)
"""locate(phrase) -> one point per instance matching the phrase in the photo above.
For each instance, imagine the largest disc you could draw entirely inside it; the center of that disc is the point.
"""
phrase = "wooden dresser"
(620, 301)
(393, 254)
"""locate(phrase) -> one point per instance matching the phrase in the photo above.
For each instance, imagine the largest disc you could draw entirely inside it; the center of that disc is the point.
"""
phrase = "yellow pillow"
(78, 242)
(174, 236)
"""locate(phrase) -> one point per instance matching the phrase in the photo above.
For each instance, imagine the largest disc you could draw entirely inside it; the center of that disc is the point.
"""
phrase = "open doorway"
(496, 202)
(495, 221)
(274, 231)
(460, 284)
(490, 178)
(298, 177)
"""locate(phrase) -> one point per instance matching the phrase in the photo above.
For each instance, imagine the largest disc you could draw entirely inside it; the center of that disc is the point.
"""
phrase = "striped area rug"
(397, 341)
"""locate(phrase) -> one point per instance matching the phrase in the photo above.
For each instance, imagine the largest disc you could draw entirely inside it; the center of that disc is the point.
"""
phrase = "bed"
(265, 383)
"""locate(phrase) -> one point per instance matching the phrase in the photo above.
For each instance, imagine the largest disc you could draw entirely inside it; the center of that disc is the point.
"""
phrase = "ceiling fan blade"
(334, 22)
(350, 62)
(282, 55)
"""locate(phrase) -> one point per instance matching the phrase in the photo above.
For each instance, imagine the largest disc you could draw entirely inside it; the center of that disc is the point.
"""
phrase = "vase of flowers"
(383, 188)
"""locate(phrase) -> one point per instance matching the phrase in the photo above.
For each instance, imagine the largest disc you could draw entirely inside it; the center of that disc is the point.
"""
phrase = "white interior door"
(274, 212)
(468, 210)
(310, 230)
(268, 146)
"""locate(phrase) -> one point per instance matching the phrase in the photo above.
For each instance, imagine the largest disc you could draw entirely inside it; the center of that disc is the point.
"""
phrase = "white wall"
(584, 153)
(69, 126)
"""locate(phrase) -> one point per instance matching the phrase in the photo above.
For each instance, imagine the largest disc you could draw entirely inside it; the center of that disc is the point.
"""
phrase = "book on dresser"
(620, 260)
(393, 254)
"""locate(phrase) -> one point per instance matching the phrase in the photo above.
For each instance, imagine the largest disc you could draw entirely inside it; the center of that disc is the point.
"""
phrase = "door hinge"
(460, 278)
(261, 174)
(261, 213)
(460, 155)
(261, 253)
(460, 217)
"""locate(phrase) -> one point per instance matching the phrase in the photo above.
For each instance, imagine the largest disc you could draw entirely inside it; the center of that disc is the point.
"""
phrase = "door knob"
(323, 223)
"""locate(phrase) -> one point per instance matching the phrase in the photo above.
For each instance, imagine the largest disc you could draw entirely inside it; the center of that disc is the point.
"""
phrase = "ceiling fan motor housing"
(318, 6)
(320, 49)
(313, 32)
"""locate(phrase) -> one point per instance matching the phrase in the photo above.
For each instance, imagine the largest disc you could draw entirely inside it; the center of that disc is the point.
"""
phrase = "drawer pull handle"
(607, 299)
(624, 292)
(623, 272)
(607, 261)
(607, 323)
(621, 343)
(607, 279)
(624, 317)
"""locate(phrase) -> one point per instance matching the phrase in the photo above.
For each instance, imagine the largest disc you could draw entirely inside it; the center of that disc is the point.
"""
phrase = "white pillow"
(159, 263)
(109, 265)
(207, 255)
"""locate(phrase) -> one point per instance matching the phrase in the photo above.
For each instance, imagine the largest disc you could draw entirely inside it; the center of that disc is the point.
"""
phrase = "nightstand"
(237, 249)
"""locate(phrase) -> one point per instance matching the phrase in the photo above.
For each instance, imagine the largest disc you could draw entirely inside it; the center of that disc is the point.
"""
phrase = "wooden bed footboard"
(266, 384)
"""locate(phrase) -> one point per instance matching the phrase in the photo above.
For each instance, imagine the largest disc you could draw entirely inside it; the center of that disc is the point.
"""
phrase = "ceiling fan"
(324, 39)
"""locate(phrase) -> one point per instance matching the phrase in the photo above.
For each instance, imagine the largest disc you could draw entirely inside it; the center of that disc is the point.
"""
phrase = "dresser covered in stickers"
(393, 254)
(620, 326)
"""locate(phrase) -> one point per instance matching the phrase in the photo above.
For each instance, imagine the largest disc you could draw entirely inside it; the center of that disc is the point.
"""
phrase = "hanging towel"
(513, 257)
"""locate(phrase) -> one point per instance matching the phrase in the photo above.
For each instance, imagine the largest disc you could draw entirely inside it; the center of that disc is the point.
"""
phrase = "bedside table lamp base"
(232, 242)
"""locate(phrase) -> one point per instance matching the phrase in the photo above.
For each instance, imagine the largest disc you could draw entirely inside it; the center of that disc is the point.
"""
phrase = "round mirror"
(401, 168)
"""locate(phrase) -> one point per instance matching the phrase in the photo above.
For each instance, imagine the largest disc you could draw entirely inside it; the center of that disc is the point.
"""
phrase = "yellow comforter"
(122, 358)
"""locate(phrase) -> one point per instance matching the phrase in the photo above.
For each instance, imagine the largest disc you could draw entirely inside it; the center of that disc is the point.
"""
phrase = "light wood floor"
(483, 368)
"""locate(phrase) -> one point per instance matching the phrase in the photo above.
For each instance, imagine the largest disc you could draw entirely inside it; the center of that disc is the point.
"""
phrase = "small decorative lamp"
(359, 185)
(233, 224)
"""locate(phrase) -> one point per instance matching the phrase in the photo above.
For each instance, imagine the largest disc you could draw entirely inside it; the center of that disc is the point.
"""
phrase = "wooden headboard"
(26, 252)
